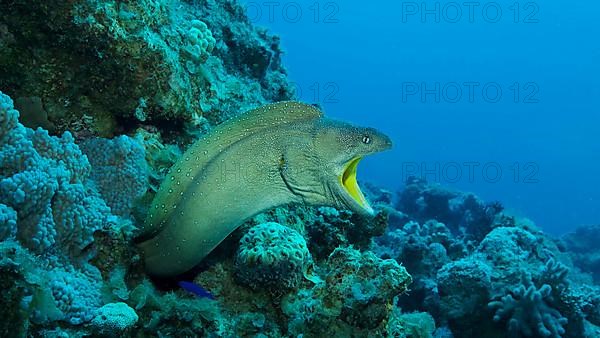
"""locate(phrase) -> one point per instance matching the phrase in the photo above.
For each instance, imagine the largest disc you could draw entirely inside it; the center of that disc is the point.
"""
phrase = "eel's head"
(340, 147)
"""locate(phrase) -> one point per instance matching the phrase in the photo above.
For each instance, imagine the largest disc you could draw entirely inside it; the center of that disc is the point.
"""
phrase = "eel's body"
(274, 155)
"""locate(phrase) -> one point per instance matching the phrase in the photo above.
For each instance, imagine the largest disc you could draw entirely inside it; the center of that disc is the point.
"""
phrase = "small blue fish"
(195, 289)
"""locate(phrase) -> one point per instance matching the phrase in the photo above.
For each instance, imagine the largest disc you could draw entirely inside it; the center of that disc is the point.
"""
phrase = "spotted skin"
(278, 154)
(208, 147)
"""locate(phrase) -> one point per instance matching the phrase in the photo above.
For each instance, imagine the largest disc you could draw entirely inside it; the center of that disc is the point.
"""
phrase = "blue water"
(408, 70)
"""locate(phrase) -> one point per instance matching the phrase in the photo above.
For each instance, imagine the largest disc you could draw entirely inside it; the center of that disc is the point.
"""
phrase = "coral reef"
(327, 228)
(461, 301)
(119, 170)
(582, 246)
(460, 212)
(157, 74)
(291, 271)
(529, 313)
(67, 217)
(69, 205)
(500, 275)
(8, 222)
(50, 207)
(43, 180)
(114, 318)
(356, 295)
(139, 63)
(271, 256)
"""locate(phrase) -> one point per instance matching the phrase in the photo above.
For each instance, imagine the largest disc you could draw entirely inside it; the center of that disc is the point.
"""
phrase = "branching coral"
(528, 313)
(554, 273)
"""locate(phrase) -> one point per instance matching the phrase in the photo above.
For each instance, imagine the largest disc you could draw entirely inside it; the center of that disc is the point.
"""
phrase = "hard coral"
(582, 246)
(166, 314)
(119, 170)
(201, 42)
(114, 318)
(413, 325)
(464, 288)
(271, 256)
(14, 316)
(8, 222)
(76, 292)
(528, 312)
(461, 212)
(424, 249)
(42, 179)
(355, 297)
(147, 61)
(364, 284)
(505, 246)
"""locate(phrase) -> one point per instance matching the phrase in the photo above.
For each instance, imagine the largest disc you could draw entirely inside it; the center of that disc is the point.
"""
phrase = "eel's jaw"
(350, 186)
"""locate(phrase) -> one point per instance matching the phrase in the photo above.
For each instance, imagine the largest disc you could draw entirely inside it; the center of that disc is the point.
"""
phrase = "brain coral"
(114, 317)
(271, 256)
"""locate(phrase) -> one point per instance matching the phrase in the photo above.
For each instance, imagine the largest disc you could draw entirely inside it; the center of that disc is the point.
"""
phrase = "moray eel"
(281, 153)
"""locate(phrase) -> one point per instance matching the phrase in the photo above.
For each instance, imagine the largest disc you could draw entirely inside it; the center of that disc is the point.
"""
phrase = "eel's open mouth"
(348, 181)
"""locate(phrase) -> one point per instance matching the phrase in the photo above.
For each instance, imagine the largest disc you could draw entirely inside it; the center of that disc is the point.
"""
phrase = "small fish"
(196, 289)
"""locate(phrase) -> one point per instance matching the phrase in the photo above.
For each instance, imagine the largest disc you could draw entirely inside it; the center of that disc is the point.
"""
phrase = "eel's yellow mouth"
(348, 181)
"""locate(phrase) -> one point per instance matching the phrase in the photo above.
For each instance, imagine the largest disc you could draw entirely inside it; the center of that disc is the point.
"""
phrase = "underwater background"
(505, 88)
(485, 211)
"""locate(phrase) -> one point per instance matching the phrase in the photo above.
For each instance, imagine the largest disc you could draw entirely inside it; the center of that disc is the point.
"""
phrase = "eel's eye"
(366, 139)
